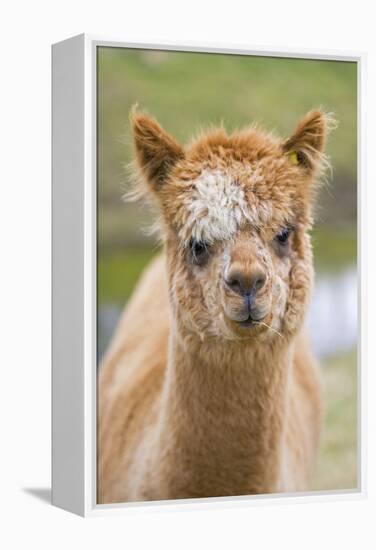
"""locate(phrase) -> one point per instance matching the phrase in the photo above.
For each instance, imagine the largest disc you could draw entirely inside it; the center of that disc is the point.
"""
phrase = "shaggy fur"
(209, 387)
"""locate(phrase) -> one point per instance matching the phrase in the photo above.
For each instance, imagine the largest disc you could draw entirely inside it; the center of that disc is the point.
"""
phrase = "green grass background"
(188, 91)
(337, 464)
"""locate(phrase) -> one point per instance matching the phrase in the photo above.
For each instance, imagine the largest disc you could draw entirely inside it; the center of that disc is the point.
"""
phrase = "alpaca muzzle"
(242, 290)
(245, 310)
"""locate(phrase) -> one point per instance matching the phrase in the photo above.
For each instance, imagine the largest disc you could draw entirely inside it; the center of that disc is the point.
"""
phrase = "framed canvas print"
(206, 255)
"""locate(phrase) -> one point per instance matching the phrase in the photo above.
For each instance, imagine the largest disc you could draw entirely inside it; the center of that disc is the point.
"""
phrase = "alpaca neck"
(222, 417)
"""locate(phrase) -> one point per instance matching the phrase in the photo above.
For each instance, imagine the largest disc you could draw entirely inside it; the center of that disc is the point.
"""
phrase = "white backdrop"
(27, 30)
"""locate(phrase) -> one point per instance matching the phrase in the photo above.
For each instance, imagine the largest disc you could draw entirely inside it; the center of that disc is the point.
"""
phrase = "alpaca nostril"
(259, 282)
(234, 284)
(244, 284)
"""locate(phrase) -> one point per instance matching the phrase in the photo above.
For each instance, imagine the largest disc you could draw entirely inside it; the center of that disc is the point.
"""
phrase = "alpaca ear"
(306, 145)
(156, 151)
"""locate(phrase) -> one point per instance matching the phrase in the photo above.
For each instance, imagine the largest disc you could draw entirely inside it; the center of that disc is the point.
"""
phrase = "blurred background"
(188, 91)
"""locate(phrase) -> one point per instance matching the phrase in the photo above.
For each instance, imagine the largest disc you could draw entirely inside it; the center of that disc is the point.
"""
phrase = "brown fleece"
(193, 403)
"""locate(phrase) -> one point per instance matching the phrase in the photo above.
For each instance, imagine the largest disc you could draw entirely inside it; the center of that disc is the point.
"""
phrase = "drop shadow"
(41, 493)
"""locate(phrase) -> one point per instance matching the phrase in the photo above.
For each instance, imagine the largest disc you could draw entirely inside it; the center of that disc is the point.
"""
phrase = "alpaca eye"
(283, 237)
(199, 251)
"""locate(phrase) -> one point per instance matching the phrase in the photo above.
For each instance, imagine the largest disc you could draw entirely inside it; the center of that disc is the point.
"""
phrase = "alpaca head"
(235, 211)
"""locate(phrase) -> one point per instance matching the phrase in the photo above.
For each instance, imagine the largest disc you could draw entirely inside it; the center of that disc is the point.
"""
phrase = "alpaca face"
(235, 214)
(239, 261)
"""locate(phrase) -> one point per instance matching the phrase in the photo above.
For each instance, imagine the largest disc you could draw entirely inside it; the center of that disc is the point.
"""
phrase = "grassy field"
(337, 465)
(119, 272)
(188, 91)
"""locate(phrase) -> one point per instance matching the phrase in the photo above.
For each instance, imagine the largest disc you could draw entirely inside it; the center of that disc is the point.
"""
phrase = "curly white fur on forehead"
(217, 207)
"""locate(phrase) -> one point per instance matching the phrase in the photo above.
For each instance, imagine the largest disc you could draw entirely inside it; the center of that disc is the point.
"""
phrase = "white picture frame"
(74, 206)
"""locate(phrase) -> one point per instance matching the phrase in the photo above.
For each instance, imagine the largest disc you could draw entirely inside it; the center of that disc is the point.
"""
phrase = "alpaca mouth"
(249, 322)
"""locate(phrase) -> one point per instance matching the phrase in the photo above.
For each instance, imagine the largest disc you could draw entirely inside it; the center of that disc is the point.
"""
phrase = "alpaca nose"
(246, 283)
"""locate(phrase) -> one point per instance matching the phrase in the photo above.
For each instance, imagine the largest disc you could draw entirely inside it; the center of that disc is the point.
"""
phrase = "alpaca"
(209, 387)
